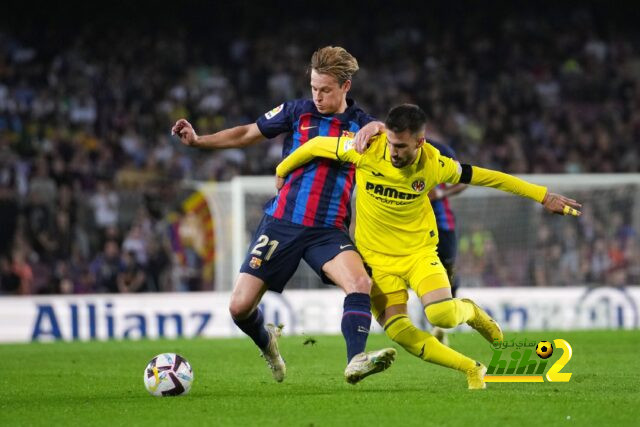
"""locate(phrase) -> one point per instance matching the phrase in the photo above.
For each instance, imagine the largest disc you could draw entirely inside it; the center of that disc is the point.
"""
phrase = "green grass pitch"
(100, 383)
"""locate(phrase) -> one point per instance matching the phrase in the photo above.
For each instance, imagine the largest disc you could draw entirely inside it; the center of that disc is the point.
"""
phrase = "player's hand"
(175, 130)
(279, 182)
(561, 205)
(185, 131)
(361, 140)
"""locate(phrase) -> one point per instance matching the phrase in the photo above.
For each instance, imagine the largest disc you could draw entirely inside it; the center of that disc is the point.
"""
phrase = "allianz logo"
(98, 321)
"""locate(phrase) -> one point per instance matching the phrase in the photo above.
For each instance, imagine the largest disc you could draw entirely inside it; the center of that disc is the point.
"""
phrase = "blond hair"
(335, 61)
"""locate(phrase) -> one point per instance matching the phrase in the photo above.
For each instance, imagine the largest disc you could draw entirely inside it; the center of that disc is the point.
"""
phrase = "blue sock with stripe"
(356, 320)
(254, 327)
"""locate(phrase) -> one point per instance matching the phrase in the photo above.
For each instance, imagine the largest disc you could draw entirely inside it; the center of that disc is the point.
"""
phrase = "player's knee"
(238, 309)
(361, 284)
(442, 314)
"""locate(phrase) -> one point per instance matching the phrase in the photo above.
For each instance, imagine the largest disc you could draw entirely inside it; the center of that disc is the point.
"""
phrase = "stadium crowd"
(88, 170)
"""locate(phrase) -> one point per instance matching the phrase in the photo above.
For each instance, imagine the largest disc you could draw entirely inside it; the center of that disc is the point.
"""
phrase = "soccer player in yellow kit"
(396, 231)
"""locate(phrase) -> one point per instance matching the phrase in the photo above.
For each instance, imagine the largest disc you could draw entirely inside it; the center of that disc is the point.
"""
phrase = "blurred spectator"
(136, 244)
(9, 279)
(105, 268)
(22, 270)
(156, 267)
(105, 206)
(132, 276)
(8, 199)
(42, 188)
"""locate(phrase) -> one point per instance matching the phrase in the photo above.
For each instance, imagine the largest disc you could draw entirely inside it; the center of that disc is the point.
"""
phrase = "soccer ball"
(544, 349)
(168, 374)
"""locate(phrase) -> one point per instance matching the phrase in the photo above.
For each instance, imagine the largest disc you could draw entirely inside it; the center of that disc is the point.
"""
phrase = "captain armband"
(466, 174)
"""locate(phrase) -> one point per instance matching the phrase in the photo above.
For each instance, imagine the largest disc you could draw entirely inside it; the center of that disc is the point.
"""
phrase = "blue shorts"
(447, 251)
(278, 246)
(447, 247)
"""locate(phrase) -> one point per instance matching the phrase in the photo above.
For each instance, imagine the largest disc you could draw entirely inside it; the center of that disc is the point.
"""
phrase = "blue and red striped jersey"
(441, 208)
(319, 193)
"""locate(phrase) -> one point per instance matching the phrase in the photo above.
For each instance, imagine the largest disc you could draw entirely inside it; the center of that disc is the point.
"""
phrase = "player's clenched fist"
(185, 131)
(561, 205)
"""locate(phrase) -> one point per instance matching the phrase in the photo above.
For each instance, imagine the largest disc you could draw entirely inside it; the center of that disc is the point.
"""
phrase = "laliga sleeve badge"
(255, 263)
(347, 145)
(274, 112)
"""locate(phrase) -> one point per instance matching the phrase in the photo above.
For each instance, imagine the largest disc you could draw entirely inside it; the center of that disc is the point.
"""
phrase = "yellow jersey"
(393, 212)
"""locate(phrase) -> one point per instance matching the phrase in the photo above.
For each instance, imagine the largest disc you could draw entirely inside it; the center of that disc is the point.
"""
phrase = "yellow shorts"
(393, 275)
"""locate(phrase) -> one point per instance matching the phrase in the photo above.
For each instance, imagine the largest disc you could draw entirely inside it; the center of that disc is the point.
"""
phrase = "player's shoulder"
(377, 145)
(294, 107)
(444, 149)
(430, 150)
(297, 107)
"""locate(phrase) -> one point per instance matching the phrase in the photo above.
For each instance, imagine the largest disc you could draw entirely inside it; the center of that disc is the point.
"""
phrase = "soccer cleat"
(484, 324)
(368, 363)
(475, 377)
(441, 335)
(272, 355)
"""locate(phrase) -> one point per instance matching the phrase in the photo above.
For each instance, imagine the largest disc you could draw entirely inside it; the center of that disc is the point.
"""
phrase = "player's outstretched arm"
(236, 137)
(320, 146)
(489, 178)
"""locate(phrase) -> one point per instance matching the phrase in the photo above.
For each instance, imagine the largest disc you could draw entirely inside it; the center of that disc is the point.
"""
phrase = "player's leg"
(442, 309)
(333, 257)
(447, 251)
(331, 254)
(450, 267)
(447, 247)
(273, 257)
(243, 306)
(391, 312)
(347, 271)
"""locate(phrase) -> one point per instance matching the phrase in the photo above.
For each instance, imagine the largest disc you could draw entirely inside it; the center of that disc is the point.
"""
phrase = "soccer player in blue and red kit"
(309, 217)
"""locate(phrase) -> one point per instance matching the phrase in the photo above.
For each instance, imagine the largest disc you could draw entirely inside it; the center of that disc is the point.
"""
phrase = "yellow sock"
(449, 313)
(423, 345)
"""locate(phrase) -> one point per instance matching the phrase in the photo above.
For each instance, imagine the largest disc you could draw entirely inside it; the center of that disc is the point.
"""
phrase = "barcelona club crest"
(347, 134)
(255, 263)
(418, 185)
